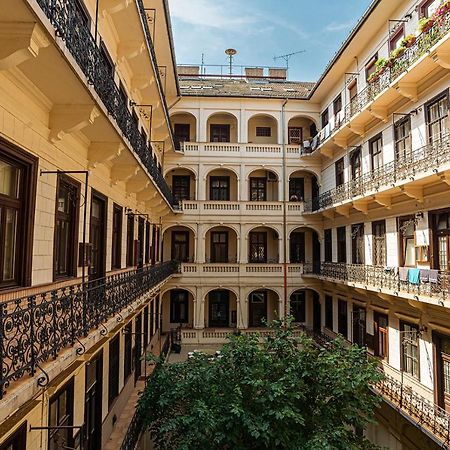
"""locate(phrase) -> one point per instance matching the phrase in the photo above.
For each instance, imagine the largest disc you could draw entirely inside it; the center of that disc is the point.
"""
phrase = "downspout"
(284, 200)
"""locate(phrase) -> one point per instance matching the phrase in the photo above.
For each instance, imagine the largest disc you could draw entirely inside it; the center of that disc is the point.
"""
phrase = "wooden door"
(219, 302)
(442, 384)
(97, 237)
(258, 308)
(93, 404)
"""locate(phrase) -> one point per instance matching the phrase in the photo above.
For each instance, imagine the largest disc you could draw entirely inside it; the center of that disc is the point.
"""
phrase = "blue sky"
(262, 29)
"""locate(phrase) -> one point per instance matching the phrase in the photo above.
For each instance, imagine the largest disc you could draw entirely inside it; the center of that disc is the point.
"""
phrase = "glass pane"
(446, 366)
(63, 199)
(9, 180)
(62, 405)
(9, 258)
(410, 255)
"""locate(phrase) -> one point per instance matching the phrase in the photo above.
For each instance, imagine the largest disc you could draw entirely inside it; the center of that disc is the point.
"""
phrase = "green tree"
(275, 392)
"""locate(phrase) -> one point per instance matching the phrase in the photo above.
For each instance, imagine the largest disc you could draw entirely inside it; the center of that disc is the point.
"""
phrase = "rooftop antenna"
(203, 70)
(230, 52)
(287, 57)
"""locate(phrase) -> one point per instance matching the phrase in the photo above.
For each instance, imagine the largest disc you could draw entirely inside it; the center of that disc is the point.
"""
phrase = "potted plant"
(408, 41)
(425, 24)
(396, 53)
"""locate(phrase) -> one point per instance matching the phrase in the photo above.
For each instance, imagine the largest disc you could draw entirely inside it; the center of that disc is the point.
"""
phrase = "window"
(370, 66)
(61, 415)
(17, 197)
(341, 245)
(395, 39)
(258, 247)
(17, 441)
(179, 306)
(219, 246)
(329, 312)
(117, 237)
(263, 131)
(402, 136)
(298, 306)
(376, 152)
(409, 348)
(325, 118)
(339, 170)
(180, 246)
(328, 240)
(182, 133)
(381, 335)
(379, 243)
(407, 245)
(358, 244)
(359, 325)
(342, 318)
(441, 240)
(66, 227)
(295, 135)
(428, 7)
(296, 189)
(220, 133)
(219, 188)
(113, 375)
(437, 118)
(127, 365)
(337, 104)
(258, 189)
(130, 240)
(297, 248)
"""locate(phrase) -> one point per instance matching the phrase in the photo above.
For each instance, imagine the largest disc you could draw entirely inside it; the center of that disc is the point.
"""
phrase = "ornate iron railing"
(36, 328)
(72, 29)
(388, 278)
(133, 433)
(423, 43)
(405, 167)
(420, 410)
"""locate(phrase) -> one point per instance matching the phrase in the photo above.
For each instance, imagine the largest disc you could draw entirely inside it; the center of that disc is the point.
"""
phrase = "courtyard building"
(141, 200)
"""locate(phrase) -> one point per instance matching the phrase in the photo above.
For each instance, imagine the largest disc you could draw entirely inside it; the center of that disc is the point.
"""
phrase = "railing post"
(31, 308)
(3, 312)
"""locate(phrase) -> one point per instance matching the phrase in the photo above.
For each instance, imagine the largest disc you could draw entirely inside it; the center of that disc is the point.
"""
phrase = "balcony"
(36, 328)
(389, 281)
(232, 270)
(400, 80)
(248, 150)
(428, 160)
(81, 44)
(422, 412)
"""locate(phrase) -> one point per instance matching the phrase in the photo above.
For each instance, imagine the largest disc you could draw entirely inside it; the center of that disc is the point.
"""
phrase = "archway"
(262, 129)
(220, 309)
(221, 185)
(179, 244)
(222, 127)
(263, 186)
(177, 309)
(184, 126)
(263, 307)
(221, 245)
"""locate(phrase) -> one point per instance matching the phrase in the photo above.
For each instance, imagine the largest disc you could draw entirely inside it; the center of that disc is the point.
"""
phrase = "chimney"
(278, 74)
(193, 71)
(254, 72)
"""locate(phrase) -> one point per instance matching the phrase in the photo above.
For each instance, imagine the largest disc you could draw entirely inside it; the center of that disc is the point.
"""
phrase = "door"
(219, 246)
(180, 246)
(93, 404)
(219, 189)
(182, 133)
(356, 172)
(220, 133)
(443, 370)
(441, 240)
(297, 247)
(181, 185)
(140, 249)
(258, 308)
(316, 253)
(359, 325)
(317, 320)
(358, 243)
(97, 237)
(219, 302)
(138, 347)
(379, 243)
(258, 189)
(381, 323)
(258, 247)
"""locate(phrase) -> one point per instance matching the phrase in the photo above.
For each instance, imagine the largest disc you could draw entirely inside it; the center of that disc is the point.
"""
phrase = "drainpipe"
(284, 200)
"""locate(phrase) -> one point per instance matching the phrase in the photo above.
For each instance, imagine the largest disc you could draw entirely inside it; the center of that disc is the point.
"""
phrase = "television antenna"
(287, 57)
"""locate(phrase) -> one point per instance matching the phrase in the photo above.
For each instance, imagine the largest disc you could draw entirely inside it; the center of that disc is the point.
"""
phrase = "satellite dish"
(230, 51)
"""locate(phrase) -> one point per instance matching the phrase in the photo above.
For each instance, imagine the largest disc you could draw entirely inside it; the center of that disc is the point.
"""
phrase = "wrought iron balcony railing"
(71, 28)
(36, 328)
(388, 278)
(405, 167)
(401, 64)
(133, 433)
(419, 409)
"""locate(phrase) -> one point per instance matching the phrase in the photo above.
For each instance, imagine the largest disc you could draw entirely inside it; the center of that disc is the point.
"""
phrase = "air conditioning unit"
(271, 176)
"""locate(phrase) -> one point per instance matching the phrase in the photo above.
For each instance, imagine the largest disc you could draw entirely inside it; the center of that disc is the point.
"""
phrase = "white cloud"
(340, 26)
(226, 15)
